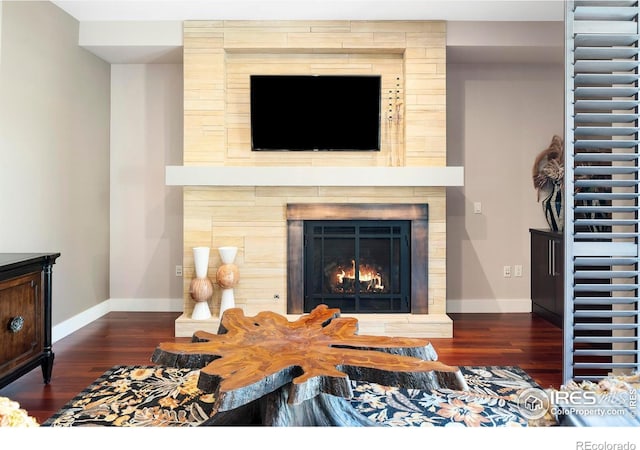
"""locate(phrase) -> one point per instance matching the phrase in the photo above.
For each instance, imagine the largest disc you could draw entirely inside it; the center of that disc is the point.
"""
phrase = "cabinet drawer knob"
(16, 324)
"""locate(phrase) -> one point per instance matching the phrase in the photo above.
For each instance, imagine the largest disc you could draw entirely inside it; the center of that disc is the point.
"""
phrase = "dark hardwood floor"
(129, 338)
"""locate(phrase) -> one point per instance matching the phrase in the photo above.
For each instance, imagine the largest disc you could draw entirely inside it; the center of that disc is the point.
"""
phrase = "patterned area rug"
(490, 402)
(159, 396)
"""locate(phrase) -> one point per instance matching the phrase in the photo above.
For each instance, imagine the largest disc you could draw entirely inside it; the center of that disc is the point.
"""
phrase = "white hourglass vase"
(228, 254)
(201, 261)
(201, 287)
(227, 277)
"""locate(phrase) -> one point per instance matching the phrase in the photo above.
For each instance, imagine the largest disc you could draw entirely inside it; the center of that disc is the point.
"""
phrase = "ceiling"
(162, 10)
(119, 46)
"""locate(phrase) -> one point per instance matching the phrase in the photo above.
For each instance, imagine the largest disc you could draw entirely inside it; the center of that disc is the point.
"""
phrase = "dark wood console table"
(25, 314)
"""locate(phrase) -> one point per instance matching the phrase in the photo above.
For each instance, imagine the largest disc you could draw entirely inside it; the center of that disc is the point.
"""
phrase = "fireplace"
(360, 258)
(358, 266)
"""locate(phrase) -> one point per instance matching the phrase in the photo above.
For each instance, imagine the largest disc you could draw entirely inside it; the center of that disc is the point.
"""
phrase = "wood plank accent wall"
(219, 56)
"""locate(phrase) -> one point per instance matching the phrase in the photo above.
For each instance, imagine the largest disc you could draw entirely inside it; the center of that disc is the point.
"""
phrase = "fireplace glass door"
(357, 266)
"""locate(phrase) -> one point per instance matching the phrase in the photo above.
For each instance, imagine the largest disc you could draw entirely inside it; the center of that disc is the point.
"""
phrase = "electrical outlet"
(477, 208)
(178, 270)
(517, 269)
(506, 271)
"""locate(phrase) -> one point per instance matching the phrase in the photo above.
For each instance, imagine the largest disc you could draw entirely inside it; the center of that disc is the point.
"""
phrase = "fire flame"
(366, 274)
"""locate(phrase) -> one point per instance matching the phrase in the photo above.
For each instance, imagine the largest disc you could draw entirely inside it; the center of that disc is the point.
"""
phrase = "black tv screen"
(313, 113)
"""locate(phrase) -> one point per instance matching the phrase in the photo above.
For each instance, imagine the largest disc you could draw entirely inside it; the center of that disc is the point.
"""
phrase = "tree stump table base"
(265, 370)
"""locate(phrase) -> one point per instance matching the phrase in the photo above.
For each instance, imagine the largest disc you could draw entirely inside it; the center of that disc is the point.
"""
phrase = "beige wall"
(55, 159)
(218, 58)
(500, 116)
(476, 253)
(1, 6)
(54, 152)
(146, 215)
(480, 123)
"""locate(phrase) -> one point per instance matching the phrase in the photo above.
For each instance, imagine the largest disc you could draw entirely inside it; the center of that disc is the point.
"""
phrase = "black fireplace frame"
(417, 214)
(398, 280)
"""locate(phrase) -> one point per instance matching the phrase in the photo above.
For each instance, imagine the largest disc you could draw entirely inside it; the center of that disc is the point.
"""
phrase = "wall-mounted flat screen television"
(315, 112)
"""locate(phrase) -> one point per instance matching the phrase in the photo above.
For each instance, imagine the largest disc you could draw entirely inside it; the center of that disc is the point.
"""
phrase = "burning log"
(368, 279)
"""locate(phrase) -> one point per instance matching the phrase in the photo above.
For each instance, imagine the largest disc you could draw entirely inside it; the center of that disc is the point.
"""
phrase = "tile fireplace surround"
(235, 197)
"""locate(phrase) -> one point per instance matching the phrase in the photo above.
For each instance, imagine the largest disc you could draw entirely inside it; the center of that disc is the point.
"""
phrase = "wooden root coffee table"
(266, 370)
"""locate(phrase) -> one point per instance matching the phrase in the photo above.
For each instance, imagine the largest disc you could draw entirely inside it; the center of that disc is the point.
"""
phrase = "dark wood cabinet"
(547, 275)
(25, 314)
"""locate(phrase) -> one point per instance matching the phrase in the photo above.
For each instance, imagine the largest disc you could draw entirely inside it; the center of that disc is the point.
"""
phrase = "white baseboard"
(78, 321)
(147, 304)
(489, 305)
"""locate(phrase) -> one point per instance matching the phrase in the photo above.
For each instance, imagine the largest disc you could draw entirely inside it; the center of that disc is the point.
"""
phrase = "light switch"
(477, 208)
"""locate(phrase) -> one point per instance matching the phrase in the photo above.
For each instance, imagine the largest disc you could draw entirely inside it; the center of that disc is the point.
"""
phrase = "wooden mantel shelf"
(313, 176)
